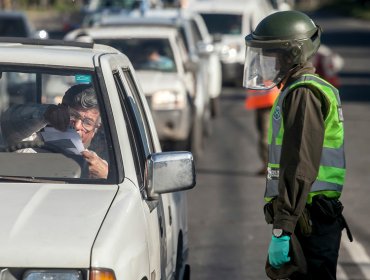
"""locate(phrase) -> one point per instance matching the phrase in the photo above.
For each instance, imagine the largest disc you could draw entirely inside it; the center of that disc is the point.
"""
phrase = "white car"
(201, 99)
(57, 220)
(201, 49)
(168, 86)
(229, 22)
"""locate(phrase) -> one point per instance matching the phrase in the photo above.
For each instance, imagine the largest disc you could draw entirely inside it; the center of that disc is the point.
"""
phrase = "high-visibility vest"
(257, 99)
(332, 168)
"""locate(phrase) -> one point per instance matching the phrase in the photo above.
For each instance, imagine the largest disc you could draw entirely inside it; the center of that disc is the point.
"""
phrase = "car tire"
(182, 270)
(197, 139)
(207, 121)
(215, 107)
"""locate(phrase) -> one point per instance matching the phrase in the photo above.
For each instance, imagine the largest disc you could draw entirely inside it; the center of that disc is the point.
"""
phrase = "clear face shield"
(262, 69)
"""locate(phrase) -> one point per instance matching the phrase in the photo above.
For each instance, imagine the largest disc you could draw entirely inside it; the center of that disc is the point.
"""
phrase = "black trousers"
(321, 249)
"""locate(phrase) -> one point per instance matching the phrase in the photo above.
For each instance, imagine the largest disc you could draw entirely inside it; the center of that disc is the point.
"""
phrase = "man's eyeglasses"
(87, 124)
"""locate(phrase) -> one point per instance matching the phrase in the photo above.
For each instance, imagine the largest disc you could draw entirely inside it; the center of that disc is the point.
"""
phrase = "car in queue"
(202, 100)
(159, 57)
(201, 48)
(17, 24)
(58, 220)
(229, 22)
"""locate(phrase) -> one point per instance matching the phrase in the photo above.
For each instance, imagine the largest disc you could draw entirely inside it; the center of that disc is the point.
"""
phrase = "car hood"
(152, 81)
(51, 225)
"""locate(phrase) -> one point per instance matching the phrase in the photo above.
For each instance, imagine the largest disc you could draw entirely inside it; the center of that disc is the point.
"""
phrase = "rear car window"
(13, 27)
(155, 53)
(229, 24)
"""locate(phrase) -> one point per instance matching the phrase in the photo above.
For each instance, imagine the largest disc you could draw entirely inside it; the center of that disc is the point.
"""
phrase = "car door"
(157, 211)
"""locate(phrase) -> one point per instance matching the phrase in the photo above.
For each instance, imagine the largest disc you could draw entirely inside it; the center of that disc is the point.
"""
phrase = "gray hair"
(81, 96)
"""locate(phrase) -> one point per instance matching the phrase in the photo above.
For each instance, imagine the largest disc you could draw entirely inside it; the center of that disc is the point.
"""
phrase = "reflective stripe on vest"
(332, 164)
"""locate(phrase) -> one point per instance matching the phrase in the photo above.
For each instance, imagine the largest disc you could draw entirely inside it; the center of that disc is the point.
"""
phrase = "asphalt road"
(228, 235)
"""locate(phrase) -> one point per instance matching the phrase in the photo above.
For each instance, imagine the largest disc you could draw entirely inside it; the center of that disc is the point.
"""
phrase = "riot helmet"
(280, 42)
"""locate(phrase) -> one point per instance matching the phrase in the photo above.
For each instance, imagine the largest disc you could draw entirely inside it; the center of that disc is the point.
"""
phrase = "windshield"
(51, 126)
(228, 24)
(145, 53)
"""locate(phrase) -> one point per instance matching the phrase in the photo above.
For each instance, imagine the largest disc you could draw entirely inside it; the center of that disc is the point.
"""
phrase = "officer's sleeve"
(300, 155)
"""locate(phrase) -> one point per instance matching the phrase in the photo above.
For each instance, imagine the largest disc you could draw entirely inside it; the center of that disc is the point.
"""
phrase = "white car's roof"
(218, 6)
(171, 13)
(155, 16)
(12, 14)
(134, 20)
(135, 31)
(53, 54)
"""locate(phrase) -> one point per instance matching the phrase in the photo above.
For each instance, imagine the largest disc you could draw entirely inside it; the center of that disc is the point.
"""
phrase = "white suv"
(58, 219)
(229, 22)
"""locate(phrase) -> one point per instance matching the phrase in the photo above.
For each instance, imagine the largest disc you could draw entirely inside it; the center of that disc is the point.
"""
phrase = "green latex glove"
(278, 251)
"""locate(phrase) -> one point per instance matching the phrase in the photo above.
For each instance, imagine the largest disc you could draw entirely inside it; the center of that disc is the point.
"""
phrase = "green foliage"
(66, 6)
(56, 5)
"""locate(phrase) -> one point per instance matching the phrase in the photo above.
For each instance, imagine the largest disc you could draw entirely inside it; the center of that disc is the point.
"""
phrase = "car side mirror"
(190, 66)
(205, 49)
(170, 172)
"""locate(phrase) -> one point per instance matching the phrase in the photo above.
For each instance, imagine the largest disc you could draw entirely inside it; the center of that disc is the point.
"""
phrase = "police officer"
(306, 164)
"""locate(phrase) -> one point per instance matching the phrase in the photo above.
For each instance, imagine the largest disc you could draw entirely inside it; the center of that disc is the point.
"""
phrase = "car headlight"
(168, 100)
(52, 274)
(230, 50)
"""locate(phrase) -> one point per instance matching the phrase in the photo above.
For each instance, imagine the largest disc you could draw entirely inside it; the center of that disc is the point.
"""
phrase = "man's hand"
(57, 116)
(98, 167)
(278, 251)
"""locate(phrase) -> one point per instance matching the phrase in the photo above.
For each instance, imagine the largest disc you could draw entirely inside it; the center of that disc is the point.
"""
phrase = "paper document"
(69, 139)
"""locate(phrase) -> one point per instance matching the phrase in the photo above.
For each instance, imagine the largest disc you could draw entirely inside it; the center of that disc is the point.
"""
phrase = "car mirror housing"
(170, 172)
(204, 49)
(190, 66)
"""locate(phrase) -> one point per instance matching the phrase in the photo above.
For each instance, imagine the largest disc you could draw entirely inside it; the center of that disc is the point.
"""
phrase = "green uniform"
(306, 154)
(331, 174)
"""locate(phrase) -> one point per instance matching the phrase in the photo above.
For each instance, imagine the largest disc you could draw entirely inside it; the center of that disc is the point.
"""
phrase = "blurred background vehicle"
(203, 60)
(161, 62)
(16, 24)
(93, 9)
(228, 22)
(199, 44)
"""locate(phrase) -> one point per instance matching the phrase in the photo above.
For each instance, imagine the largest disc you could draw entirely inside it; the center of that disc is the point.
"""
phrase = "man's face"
(85, 123)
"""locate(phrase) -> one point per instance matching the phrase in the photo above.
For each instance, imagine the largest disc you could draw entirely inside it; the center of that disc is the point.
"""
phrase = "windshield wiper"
(29, 179)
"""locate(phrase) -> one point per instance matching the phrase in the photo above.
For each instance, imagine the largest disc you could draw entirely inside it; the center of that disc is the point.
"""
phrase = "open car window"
(40, 138)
